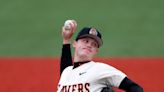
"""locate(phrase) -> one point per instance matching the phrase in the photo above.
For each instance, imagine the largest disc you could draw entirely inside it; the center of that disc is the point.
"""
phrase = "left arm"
(130, 86)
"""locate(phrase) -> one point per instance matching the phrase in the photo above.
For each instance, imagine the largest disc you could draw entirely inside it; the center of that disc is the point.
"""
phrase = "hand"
(67, 33)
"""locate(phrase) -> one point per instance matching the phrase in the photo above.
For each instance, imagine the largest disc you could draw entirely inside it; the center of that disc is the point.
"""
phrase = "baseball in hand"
(69, 24)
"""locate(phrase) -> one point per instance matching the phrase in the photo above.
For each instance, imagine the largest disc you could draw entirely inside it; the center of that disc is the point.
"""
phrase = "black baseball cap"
(91, 33)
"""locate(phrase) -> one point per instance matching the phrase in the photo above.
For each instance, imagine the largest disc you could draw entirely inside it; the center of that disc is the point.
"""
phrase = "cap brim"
(97, 39)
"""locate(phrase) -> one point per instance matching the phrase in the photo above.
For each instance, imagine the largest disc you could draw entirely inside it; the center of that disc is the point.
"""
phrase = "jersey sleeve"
(66, 57)
(110, 75)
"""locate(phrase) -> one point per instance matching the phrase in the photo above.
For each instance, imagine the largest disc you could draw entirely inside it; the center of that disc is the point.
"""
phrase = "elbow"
(136, 88)
(140, 89)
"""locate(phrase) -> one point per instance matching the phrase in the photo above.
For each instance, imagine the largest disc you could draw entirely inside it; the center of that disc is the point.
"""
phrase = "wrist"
(66, 41)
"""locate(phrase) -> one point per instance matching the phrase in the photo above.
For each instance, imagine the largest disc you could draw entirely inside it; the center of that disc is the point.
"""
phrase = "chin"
(85, 57)
(84, 54)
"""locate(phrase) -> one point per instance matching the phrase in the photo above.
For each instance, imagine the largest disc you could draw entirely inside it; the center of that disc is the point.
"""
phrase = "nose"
(89, 45)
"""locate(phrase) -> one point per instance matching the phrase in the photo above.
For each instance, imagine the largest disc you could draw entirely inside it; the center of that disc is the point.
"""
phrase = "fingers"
(74, 26)
(68, 29)
(70, 25)
(66, 34)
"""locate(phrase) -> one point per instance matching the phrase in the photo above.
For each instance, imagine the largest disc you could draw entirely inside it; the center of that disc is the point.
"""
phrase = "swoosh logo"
(82, 73)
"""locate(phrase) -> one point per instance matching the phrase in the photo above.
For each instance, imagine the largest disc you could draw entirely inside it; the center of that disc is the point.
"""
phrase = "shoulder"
(67, 70)
(103, 65)
(113, 75)
(108, 69)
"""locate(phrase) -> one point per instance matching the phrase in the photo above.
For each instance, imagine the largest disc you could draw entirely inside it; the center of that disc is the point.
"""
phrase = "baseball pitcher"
(84, 74)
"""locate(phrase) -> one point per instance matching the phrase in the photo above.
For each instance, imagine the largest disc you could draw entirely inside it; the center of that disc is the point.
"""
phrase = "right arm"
(66, 57)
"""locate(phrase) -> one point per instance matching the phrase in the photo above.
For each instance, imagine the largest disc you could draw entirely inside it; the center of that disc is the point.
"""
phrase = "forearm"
(130, 86)
(66, 57)
(135, 89)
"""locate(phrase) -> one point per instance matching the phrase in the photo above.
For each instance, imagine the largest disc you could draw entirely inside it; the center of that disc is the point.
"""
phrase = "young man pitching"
(86, 75)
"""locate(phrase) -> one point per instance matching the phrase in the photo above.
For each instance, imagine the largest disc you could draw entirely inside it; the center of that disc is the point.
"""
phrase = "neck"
(81, 58)
(77, 64)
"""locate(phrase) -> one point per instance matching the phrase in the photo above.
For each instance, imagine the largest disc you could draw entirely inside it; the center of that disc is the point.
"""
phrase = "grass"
(129, 27)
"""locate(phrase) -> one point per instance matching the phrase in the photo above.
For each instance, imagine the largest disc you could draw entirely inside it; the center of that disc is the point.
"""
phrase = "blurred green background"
(129, 27)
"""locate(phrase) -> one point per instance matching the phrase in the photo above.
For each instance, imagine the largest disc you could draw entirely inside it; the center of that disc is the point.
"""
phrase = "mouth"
(87, 49)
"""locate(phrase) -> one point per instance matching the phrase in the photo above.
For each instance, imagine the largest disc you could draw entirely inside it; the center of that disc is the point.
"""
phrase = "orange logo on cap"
(93, 31)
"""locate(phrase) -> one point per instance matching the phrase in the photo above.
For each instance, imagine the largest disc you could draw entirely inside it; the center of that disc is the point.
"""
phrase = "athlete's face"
(86, 47)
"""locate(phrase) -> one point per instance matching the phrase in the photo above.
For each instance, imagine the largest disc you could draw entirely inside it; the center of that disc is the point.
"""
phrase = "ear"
(74, 44)
(97, 50)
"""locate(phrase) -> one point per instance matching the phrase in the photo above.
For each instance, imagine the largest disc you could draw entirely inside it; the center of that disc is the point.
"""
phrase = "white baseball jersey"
(89, 77)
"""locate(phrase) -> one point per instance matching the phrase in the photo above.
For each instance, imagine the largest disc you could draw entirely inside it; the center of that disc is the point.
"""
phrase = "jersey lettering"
(75, 88)
(87, 87)
(80, 87)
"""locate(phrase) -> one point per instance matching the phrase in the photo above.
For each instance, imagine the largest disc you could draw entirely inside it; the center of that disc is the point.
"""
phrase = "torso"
(89, 77)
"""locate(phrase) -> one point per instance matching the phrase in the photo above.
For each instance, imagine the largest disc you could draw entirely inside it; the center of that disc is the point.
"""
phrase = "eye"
(94, 44)
(85, 40)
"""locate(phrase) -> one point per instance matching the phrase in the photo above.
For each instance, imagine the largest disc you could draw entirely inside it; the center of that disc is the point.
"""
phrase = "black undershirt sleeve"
(66, 57)
(130, 86)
